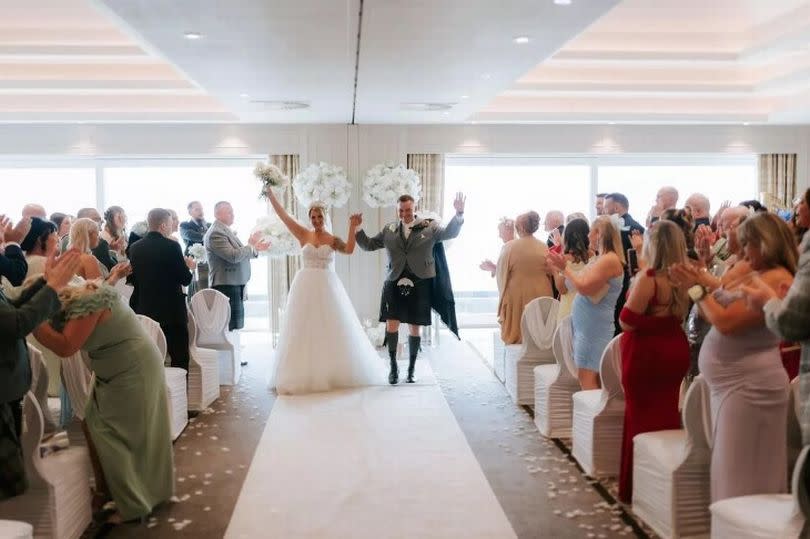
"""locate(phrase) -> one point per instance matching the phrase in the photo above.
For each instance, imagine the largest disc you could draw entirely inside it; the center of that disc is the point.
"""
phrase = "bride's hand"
(356, 219)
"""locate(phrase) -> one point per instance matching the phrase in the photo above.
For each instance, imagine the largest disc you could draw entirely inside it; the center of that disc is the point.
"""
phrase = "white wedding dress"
(322, 345)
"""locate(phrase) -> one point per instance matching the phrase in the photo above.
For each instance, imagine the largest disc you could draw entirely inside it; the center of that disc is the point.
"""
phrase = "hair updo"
(532, 222)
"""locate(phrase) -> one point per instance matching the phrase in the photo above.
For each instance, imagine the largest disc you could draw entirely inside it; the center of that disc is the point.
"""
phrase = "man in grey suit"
(229, 260)
(407, 288)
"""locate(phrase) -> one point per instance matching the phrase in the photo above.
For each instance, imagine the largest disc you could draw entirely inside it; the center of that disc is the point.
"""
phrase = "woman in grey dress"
(741, 362)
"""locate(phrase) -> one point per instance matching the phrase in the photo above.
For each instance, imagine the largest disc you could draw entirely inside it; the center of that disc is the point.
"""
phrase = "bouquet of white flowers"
(141, 228)
(198, 252)
(270, 176)
(322, 183)
(282, 242)
(385, 183)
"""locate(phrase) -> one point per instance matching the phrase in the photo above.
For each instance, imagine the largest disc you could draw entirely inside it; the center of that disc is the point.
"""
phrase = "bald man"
(34, 210)
(555, 220)
(698, 204)
(665, 199)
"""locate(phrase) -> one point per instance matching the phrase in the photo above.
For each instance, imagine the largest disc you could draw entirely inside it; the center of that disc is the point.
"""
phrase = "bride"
(322, 345)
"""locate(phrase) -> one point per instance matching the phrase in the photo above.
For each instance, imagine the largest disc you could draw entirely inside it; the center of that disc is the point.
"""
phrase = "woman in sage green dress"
(127, 413)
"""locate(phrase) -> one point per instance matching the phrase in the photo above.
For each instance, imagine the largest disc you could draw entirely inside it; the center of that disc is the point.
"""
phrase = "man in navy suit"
(193, 230)
(159, 271)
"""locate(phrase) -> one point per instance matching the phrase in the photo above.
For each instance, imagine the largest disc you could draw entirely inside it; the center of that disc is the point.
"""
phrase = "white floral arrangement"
(198, 252)
(141, 228)
(282, 242)
(386, 182)
(322, 183)
(270, 176)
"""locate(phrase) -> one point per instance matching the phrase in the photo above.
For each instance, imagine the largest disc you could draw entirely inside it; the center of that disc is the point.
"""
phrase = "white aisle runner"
(378, 462)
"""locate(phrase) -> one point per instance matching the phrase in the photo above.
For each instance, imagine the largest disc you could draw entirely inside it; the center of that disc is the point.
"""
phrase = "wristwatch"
(697, 293)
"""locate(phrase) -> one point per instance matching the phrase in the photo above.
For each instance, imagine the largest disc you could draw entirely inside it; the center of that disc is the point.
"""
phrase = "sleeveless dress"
(593, 325)
(567, 299)
(322, 345)
(749, 401)
(655, 358)
(127, 413)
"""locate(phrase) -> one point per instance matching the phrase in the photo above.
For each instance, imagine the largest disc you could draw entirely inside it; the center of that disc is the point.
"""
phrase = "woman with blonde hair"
(598, 287)
(741, 363)
(655, 352)
(114, 231)
(84, 237)
(522, 275)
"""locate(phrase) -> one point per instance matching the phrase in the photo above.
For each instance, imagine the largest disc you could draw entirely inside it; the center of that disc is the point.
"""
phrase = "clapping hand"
(488, 265)
(59, 271)
(557, 260)
(556, 237)
(637, 240)
(255, 238)
(459, 203)
(355, 220)
(757, 293)
(16, 234)
(685, 274)
(190, 263)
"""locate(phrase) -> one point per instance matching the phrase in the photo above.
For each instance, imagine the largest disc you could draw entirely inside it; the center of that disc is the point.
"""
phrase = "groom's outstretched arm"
(369, 244)
(451, 230)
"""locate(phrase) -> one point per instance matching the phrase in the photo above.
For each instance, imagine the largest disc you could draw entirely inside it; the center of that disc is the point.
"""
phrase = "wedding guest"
(84, 237)
(127, 416)
(159, 272)
(62, 222)
(34, 210)
(683, 219)
(741, 363)
(522, 276)
(577, 252)
(17, 320)
(598, 287)
(576, 215)
(114, 230)
(193, 230)
(789, 318)
(666, 198)
(755, 205)
(102, 249)
(618, 204)
(506, 231)
(554, 223)
(699, 207)
(12, 259)
(655, 353)
(175, 225)
(38, 245)
(600, 203)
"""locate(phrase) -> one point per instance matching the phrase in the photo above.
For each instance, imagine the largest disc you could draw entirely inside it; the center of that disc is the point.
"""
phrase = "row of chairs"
(671, 468)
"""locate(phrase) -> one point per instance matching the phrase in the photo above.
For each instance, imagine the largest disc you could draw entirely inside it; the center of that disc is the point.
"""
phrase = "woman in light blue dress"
(598, 287)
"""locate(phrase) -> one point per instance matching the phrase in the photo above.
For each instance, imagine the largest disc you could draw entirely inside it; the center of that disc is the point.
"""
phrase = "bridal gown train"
(322, 345)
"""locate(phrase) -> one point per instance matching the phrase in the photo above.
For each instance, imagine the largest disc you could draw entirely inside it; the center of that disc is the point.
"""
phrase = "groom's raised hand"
(356, 219)
(459, 203)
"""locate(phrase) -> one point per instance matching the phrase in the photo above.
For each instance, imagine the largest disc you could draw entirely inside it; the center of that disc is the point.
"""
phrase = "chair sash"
(567, 344)
(693, 413)
(610, 370)
(212, 310)
(540, 316)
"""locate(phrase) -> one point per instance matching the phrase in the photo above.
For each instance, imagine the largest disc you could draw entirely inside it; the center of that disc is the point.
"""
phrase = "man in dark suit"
(159, 272)
(617, 204)
(193, 230)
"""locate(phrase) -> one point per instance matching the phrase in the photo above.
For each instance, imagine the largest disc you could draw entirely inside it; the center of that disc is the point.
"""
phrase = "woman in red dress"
(655, 352)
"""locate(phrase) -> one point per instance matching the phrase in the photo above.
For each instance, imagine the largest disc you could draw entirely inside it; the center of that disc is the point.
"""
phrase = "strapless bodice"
(320, 257)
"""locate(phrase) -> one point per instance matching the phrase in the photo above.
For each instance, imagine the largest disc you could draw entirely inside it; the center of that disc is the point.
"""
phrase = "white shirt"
(406, 229)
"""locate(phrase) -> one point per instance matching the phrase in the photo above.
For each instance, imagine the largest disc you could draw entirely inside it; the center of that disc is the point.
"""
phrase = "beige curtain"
(777, 179)
(282, 270)
(430, 168)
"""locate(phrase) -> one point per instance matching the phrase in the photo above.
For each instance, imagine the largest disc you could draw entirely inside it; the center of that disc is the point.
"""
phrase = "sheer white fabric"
(155, 332)
(322, 345)
(78, 381)
(212, 312)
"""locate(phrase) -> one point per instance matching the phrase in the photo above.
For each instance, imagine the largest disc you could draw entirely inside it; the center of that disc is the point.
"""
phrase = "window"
(173, 185)
(58, 189)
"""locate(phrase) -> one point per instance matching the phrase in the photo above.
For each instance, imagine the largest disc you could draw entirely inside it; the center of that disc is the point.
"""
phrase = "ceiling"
(414, 61)
(673, 61)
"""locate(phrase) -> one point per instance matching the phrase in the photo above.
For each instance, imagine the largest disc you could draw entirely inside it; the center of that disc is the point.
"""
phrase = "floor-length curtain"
(777, 179)
(282, 270)
(430, 168)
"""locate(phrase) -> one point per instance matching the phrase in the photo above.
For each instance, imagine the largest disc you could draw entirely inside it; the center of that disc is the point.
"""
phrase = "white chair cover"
(794, 429)
(13, 529)
(124, 290)
(78, 381)
(671, 473)
(762, 516)
(598, 419)
(39, 388)
(57, 502)
(539, 320)
(203, 371)
(212, 311)
(567, 345)
(553, 388)
(156, 333)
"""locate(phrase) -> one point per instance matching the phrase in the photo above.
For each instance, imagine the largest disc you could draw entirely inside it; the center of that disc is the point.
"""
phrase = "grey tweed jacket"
(228, 258)
(416, 252)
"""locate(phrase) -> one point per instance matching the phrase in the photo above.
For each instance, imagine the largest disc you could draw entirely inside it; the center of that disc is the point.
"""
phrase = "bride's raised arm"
(292, 225)
(348, 247)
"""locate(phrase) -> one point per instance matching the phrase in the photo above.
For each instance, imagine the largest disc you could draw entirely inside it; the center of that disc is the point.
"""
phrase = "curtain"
(430, 168)
(777, 179)
(282, 270)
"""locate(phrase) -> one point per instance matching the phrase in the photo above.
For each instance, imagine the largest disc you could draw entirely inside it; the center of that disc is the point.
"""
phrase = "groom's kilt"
(408, 304)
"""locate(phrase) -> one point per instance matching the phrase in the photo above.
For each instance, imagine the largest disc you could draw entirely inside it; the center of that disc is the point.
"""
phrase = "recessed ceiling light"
(244, 96)
(746, 123)
(446, 113)
(465, 97)
(192, 35)
(486, 76)
(520, 40)
(563, 2)
(427, 107)
(270, 104)
(611, 123)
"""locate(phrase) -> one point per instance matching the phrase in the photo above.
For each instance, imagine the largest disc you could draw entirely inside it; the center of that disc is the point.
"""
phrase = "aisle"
(374, 462)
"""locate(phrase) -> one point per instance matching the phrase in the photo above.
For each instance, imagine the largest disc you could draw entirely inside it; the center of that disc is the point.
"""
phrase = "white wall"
(357, 148)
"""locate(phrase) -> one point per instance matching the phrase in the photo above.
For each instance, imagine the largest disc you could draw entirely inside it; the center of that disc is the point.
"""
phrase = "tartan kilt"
(406, 299)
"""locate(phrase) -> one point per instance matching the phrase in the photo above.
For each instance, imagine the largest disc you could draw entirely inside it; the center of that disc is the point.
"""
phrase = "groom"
(407, 288)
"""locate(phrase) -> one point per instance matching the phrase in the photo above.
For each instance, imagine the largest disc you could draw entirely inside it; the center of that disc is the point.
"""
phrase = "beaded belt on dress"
(316, 264)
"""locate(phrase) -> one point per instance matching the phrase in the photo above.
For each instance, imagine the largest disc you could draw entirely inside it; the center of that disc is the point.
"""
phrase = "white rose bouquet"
(270, 176)
(322, 183)
(198, 252)
(282, 242)
(385, 183)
